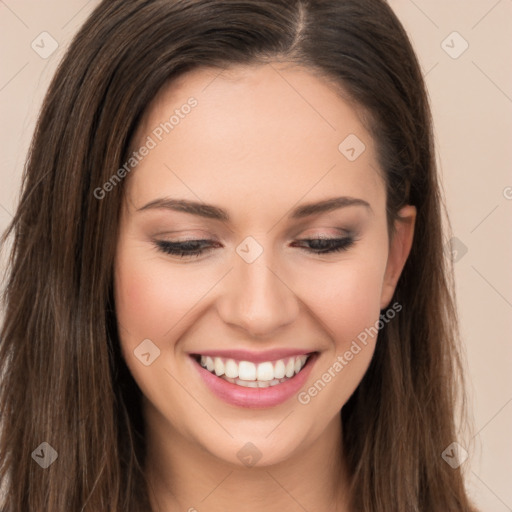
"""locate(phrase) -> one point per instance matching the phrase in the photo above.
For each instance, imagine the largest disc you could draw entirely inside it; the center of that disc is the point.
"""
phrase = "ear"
(399, 248)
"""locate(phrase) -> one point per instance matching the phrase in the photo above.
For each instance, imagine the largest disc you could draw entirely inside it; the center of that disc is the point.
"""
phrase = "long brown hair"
(64, 381)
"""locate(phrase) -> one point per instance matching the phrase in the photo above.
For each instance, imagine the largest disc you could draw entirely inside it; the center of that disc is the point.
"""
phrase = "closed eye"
(191, 248)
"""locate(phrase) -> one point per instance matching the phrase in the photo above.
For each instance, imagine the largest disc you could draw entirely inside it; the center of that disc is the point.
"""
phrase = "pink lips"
(255, 397)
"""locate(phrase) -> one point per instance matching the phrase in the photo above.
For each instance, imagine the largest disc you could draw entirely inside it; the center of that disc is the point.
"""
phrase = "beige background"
(472, 105)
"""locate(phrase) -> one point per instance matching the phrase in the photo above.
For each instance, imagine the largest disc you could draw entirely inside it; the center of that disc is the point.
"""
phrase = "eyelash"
(180, 248)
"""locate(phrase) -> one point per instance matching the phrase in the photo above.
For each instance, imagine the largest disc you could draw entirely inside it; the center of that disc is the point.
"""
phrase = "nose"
(257, 299)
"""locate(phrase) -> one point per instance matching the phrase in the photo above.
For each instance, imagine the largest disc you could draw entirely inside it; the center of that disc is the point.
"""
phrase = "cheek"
(348, 306)
(346, 297)
(151, 300)
(151, 303)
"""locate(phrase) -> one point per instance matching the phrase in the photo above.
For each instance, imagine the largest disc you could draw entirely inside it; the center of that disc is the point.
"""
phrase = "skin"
(262, 140)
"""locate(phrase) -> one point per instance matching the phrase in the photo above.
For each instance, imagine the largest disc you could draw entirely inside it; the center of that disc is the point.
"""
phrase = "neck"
(183, 476)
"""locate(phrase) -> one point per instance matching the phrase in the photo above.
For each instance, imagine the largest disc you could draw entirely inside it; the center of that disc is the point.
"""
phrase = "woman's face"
(253, 149)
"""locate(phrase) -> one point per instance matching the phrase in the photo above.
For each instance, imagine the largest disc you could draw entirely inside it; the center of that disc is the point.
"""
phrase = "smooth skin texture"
(261, 141)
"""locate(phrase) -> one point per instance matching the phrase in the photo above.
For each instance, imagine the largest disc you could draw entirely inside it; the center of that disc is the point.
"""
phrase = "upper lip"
(255, 357)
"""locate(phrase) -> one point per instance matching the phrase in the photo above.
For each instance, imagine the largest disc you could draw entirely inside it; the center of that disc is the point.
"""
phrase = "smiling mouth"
(253, 375)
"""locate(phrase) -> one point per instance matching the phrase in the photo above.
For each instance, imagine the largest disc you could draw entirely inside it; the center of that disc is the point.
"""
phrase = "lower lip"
(256, 398)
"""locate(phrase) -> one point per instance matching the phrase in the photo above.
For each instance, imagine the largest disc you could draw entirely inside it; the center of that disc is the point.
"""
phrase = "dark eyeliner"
(182, 249)
(333, 244)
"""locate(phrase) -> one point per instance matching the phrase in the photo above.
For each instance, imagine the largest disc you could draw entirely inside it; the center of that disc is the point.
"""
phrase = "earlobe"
(399, 249)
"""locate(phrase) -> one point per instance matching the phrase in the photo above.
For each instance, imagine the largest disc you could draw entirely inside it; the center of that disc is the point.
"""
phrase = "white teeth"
(299, 363)
(231, 369)
(290, 368)
(254, 383)
(246, 370)
(219, 366)
(265, 371)
(248, 374)
(279, 369)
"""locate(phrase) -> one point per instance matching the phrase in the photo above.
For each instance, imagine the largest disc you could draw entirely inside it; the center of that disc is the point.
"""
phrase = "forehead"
(265, 131)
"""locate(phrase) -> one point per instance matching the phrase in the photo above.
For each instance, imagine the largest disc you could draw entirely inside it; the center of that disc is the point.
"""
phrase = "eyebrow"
(214, 212)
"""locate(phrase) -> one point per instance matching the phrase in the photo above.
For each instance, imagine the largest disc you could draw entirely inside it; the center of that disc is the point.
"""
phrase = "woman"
(227, 286)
